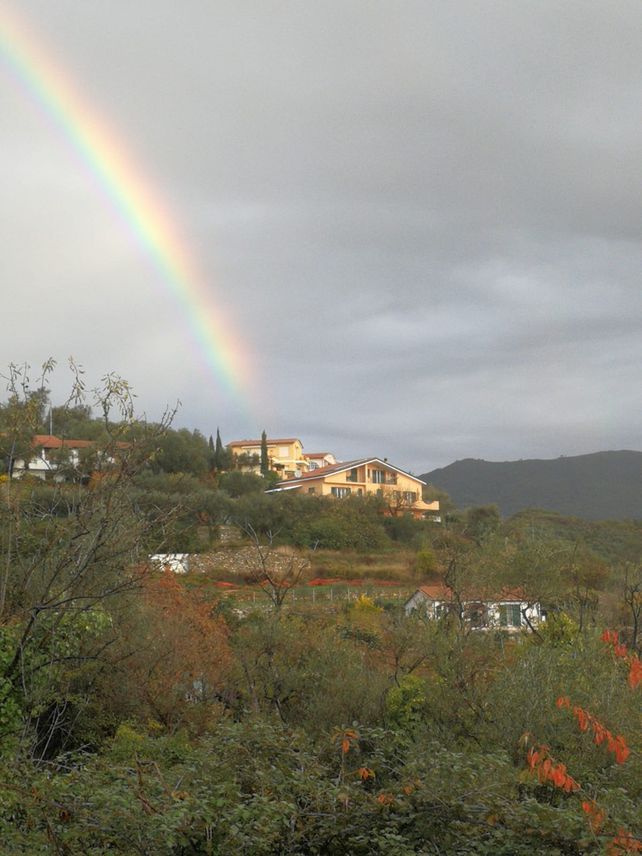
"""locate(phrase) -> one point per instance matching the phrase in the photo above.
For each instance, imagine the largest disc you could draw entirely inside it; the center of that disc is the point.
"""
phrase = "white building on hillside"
(507, 610)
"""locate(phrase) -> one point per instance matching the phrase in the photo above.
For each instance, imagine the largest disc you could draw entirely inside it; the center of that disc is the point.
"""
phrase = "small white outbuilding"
(507, 610)
(176, 562)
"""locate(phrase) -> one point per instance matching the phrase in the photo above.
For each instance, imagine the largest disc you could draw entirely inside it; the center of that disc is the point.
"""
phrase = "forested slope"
(600, 486)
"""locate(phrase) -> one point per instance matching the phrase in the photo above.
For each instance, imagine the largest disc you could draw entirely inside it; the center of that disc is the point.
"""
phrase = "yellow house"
(319, 459)
(400, 491)
(285, 456)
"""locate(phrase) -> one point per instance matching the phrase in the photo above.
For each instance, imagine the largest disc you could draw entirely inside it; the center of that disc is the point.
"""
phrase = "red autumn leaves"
(347, 738)
(611, 637)
(616, 745)
(547, 769)
(540, 761)
(623, 842)
(601, 735)
(596, 815)
(635, 673)
(365, 773)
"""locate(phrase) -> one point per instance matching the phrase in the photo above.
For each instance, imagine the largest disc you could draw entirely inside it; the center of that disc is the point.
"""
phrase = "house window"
(377, 476)
(409, 496)
(476, 614)
(341, 492)
(510, 615)
(312, 490)
(353, 476)
(442, 609)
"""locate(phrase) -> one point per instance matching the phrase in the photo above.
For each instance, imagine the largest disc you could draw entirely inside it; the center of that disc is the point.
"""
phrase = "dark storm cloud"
(423, 217)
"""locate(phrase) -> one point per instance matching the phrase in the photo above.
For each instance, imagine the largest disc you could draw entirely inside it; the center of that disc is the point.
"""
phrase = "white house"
(61, 459)
(507, 610)
(47, 456)
(176, 562)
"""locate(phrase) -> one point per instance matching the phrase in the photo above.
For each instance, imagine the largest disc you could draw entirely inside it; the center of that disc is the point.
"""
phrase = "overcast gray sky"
(423, 220)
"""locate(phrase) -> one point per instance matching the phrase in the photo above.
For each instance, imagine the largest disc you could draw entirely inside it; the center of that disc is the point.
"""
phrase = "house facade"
(400, 491)
(61, 459)
(316, 460)
(285, 456)
(49, 452)
(508, 610)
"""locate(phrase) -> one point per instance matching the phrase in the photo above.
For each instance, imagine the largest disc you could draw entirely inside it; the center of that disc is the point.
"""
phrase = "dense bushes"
(151, 723)
(259, 788)
(142, 714)
(325, 753)
(342, 526)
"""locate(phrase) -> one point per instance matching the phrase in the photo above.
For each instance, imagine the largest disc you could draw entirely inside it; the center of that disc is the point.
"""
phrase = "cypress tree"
(212, 454)
(219, 454)
(265, 461)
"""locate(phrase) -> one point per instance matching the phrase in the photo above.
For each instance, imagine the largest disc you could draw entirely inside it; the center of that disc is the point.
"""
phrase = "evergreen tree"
(212, 453)
(265, 461)
(219, 454)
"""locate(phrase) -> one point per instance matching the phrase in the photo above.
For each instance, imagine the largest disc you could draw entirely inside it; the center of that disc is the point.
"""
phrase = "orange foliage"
(635, 672)
(348, 738)
(540, 761)
(365, 773)
(623, 842)
(182, 650)
(611, 637)
(596, 815)
(585, 720)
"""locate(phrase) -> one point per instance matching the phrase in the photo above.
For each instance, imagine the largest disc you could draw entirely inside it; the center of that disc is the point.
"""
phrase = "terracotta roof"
(331, 469)
(269, 441)
(437, 592)
(321, 472)
(48, 441)
(440, 591)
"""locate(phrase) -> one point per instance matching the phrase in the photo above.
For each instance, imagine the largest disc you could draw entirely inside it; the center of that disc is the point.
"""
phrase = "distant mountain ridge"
(599, 486)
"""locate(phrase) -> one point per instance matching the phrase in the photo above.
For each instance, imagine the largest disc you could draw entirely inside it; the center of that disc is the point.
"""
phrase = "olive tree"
(67, 548)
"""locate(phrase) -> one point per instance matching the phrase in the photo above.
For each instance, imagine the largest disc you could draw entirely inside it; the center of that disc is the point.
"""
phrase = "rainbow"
(122, 182)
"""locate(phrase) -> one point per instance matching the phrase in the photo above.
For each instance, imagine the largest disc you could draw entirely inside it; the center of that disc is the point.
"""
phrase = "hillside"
(599, 486)
(617, 542)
